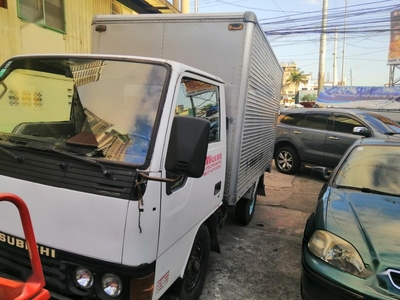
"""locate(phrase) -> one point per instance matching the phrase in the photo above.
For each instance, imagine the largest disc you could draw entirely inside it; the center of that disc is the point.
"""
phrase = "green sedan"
(351, 243)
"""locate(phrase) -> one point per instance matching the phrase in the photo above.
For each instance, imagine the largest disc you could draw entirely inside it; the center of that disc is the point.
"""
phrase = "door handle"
(333, 138)
(296, 132)
(217, 187)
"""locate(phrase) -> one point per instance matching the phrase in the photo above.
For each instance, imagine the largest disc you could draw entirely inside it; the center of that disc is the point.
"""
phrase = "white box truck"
(129, 158)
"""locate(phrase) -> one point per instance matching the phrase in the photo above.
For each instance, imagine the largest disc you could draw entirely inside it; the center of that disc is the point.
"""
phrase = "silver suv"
(320, 136)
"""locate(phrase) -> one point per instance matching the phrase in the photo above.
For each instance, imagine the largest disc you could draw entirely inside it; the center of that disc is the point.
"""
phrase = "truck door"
(191, 200)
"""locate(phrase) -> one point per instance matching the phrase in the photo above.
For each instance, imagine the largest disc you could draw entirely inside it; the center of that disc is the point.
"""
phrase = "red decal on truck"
(213, 163)
(162, 281)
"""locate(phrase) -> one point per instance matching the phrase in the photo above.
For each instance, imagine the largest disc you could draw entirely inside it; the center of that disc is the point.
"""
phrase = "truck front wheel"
(197, 266)
(245, 208)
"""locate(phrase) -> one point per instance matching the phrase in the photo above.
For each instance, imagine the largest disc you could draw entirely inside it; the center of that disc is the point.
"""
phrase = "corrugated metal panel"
(79, 15)
(163, 6)
(262, 106)
(36, 39)
(10, 35)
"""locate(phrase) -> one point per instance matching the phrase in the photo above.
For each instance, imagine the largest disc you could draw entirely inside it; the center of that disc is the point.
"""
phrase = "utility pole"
(322, 49)
(344, 43)
(351, 77)
(334, 58)
(196, 6)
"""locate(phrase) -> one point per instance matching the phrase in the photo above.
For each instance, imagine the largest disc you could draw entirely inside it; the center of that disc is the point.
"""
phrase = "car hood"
(370, 222)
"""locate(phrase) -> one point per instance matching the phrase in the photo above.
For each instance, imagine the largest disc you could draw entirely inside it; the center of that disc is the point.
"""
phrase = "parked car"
(320, 136)
(351, 241)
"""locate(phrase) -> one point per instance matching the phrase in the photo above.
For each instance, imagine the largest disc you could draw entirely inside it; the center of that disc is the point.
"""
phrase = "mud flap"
(261, 187)
(212, 224)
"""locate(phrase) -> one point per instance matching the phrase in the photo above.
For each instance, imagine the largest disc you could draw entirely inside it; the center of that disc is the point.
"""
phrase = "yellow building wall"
(79, 15)
(10, 35)
(20, 37)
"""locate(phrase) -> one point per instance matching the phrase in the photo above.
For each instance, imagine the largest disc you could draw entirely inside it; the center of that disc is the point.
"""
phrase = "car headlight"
(337, 252)
(111, 285)
(83, 278)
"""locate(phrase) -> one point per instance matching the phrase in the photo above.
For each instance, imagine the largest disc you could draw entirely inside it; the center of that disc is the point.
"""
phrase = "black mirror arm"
(5, 89)
(172, 180)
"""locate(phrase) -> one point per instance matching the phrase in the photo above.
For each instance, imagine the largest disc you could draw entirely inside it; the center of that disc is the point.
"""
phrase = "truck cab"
(121, 162)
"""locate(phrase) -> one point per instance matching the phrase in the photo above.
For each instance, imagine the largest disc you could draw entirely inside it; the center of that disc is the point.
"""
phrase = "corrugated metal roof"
(150, 6)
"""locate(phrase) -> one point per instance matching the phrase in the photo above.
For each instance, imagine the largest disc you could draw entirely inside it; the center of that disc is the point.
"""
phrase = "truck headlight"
(111, 285)
(83, 278)
(337, 252)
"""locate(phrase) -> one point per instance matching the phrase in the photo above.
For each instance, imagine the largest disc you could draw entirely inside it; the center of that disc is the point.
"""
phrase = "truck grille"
(44, 168)
(15, 263)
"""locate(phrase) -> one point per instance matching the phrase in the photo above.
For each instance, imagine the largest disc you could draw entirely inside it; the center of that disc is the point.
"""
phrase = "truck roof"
(246, 16)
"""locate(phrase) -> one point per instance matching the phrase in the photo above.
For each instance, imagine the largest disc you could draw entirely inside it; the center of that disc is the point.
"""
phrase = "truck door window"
(198, 99)
(201, 100)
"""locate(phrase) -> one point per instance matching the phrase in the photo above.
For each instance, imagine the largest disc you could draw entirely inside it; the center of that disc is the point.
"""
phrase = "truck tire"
(197, 266)
(287, 160)
(245, 208)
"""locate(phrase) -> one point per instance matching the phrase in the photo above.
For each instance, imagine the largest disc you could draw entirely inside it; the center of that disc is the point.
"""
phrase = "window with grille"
(46, 13)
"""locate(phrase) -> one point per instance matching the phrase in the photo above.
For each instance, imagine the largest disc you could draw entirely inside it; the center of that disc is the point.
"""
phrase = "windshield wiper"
(38, 146)
(372, 191)
(18, 158)
(44, 145)
(104, 170)
(367, 190)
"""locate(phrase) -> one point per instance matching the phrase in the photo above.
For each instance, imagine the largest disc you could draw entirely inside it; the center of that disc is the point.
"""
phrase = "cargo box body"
(231, 46)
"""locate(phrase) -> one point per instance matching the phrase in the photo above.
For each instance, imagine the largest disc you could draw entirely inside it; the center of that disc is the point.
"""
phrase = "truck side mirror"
(187, 148)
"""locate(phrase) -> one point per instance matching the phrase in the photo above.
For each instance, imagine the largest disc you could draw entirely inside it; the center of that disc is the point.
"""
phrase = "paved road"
(262, 260)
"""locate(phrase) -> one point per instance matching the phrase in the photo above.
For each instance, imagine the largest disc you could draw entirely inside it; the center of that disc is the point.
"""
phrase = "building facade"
(289, 90)
(63, 26)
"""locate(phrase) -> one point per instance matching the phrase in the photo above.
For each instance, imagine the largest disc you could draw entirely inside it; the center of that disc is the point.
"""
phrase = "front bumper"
(314, 287)
(319, 280)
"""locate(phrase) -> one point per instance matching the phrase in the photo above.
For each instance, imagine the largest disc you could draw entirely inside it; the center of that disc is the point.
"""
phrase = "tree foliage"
(309, 98)
(297, 77)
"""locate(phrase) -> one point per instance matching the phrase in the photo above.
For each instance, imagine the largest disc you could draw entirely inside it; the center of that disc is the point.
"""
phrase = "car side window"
(314, 121)
(345, 124)
(290, 119)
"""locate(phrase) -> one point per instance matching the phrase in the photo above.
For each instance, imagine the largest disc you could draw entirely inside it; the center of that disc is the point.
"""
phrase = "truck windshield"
(107, 107)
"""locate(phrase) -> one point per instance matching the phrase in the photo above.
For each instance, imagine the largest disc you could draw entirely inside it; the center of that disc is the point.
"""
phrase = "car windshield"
(382, 123)
(374, 167)
(106, 106)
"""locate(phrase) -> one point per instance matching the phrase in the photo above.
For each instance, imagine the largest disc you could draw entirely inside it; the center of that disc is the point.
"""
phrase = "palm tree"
(297, 77)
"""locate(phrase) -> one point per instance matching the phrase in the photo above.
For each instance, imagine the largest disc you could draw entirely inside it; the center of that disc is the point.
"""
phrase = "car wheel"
(287, 160)
(244, 210)
(197, 266)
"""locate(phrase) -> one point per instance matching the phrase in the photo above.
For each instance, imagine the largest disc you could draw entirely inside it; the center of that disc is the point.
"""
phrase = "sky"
(293, 29)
